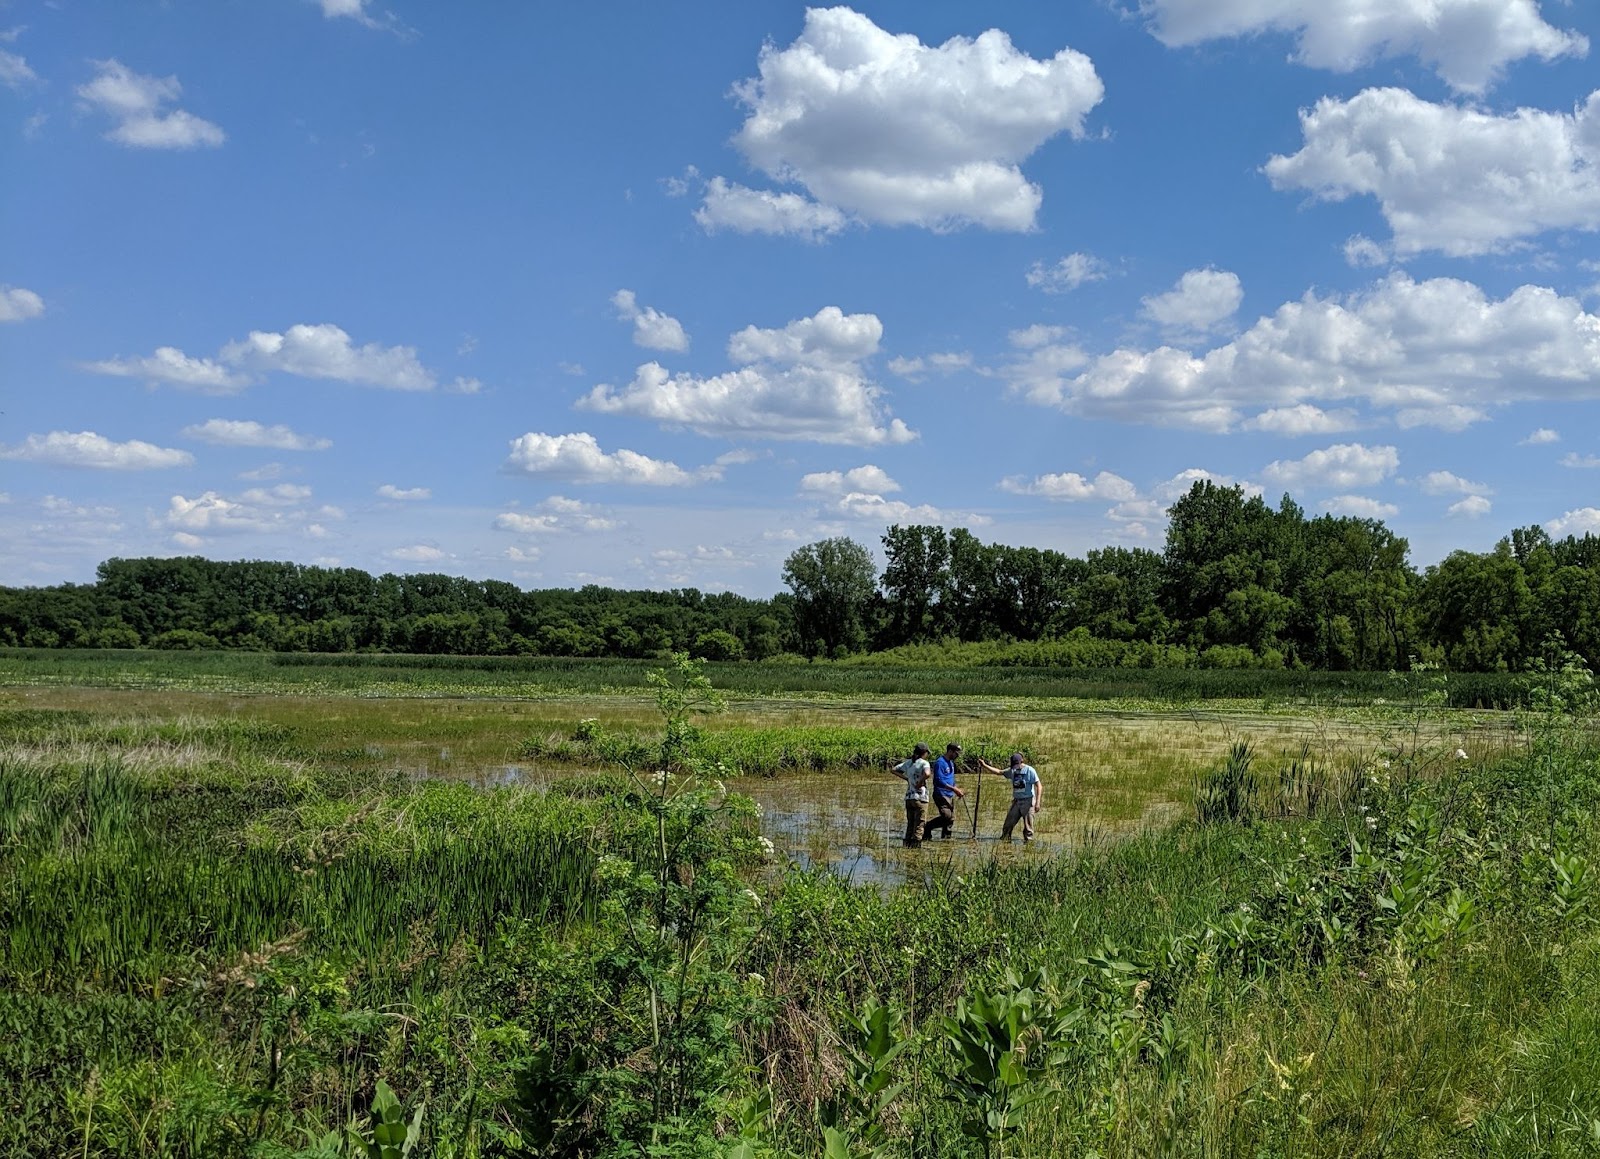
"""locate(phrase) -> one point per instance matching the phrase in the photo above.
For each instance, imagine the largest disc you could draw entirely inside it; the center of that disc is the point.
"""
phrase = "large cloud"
(1468, 42)
(804, 381)
(895, 132)
(249, 433)
(1451, 178)
(87, 449)
(321, 351)
(1436, 352)
(579, 459)
(138, 105)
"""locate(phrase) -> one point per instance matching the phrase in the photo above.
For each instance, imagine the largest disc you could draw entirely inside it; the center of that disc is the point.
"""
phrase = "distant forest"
(1239, 583)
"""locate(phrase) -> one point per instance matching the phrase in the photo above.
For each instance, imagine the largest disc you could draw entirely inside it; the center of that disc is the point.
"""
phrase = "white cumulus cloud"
(1302, 419)
(248, 433)
(868, 479)
(323, 351)
(87, 449)
(1180, 484)
(890, 131)
(579, 459)
(728, 205)
(1439, 352)
(1540, 437)
(1339, 466)
(1449, 483)
(1071, 486)
(1579, 521)
(1455, 179)
(651, 328)
(555, 514)
(1472, 507)
(804, 381)
(138, 106)
(1573, 459)
(1201, 300)
(1361, 506)
(404, 494)
(19, 305)
(326, 351)
(1072, 271)
(171, 365)
(1467, 42)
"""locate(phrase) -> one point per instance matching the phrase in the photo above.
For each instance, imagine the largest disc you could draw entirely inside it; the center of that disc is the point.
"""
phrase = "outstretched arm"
(988, 768)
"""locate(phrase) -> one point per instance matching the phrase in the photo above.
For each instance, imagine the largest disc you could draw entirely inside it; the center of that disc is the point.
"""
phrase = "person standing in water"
(945, 792)
(1027, 795)
(915, 772)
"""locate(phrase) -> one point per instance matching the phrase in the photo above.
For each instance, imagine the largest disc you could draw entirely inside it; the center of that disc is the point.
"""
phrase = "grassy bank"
(217, 943)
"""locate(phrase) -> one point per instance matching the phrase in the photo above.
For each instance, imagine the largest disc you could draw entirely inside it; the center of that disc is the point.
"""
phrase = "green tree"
(833, 581)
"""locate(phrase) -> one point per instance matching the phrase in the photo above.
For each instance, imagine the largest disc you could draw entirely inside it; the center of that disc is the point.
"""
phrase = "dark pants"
(946, 820)
(915, 812)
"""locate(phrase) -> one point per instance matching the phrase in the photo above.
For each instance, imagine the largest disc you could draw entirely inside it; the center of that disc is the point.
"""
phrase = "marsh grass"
(224, 918)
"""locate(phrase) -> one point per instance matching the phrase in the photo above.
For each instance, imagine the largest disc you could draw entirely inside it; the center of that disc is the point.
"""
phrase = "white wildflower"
(767, 847)
(1372, 823)
(661, 776)
(755, 979)
(755, 898)
(1461, 754)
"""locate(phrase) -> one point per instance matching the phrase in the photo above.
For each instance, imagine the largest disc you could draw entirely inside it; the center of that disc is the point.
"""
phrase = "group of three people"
(935, 785)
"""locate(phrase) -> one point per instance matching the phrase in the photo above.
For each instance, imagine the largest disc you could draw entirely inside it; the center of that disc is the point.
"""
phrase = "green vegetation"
(1239, 585)
(213, 942)
(987, 671)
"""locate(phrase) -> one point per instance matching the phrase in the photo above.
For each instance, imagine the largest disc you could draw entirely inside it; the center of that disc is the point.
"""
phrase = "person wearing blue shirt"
(945, 792)
(1027, 795)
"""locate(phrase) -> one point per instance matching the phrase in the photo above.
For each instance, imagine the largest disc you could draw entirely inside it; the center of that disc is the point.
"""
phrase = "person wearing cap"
(915, 772)
(945, 792)
(1027, 795)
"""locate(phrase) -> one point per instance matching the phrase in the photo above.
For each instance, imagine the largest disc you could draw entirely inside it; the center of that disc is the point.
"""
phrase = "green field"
(237, 894)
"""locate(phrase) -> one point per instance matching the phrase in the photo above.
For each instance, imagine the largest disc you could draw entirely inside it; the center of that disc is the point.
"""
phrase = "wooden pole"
(977, 806)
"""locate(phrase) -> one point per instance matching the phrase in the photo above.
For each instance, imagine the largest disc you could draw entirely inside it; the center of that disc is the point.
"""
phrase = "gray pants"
(1021, 810)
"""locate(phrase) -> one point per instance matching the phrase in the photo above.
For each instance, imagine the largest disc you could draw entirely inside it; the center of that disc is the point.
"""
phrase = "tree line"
(1238, 583)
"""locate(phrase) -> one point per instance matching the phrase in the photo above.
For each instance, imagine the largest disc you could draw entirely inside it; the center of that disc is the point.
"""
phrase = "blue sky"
(649, 295)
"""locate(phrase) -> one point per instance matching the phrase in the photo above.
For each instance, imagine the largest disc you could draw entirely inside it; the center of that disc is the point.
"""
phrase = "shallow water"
(852, 823)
